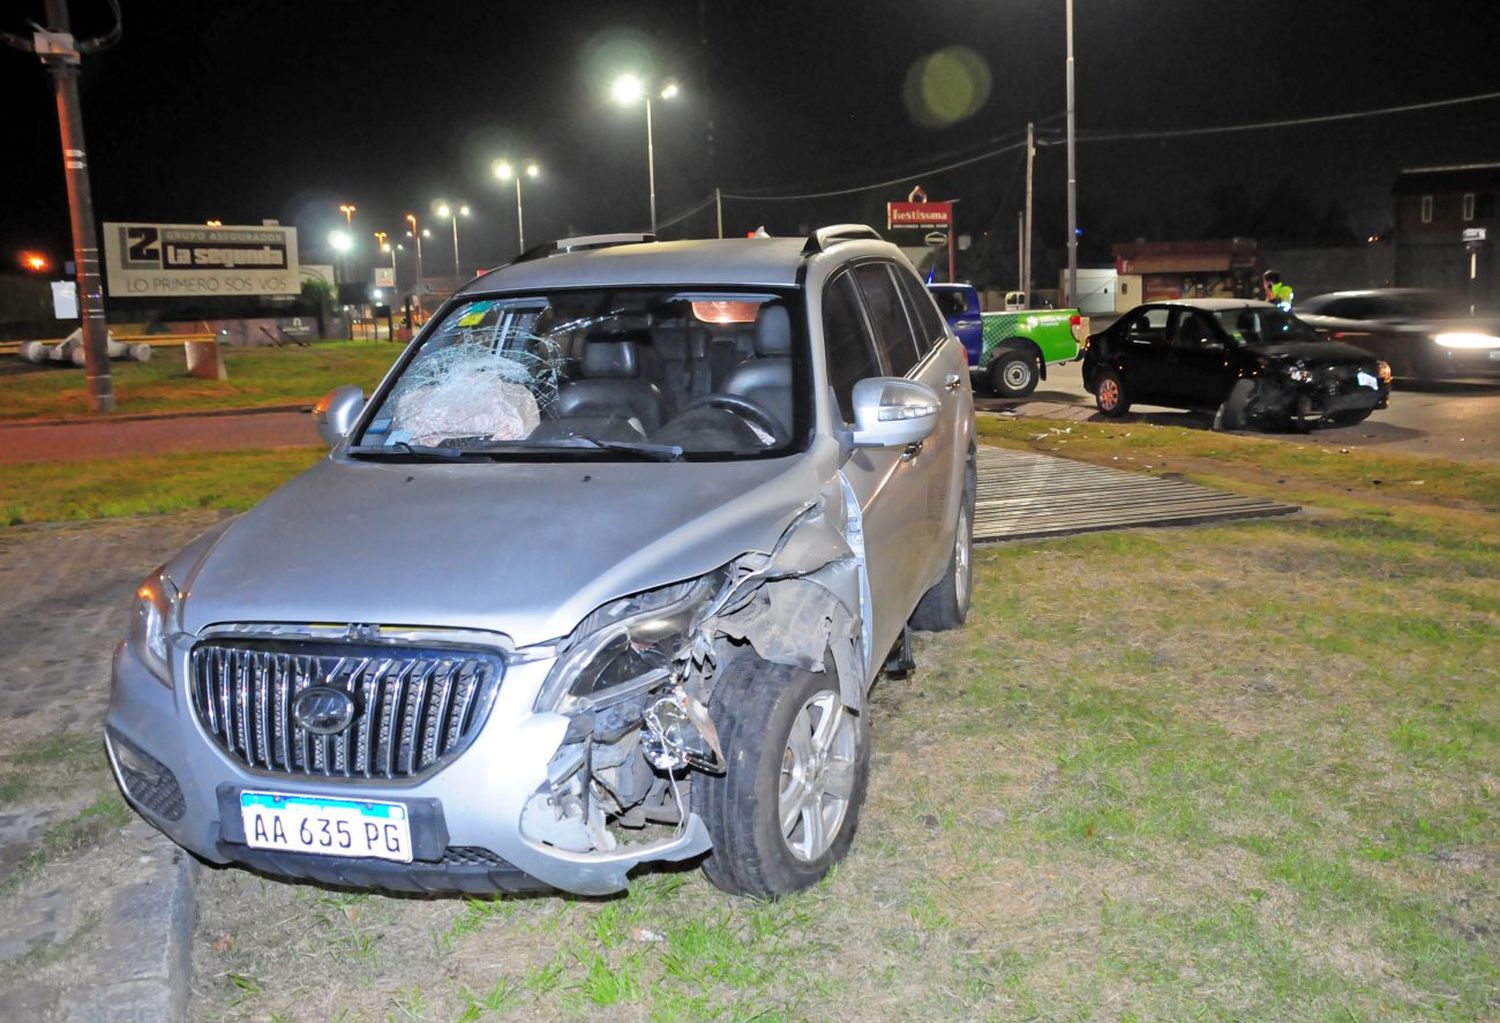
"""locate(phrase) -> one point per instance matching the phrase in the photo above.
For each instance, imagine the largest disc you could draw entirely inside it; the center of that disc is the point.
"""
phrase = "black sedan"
(1424, 335)
(1252, 363)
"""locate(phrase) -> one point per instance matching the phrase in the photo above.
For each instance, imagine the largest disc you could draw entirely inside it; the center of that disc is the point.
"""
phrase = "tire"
(1110, 396)
(1232, 413)
(946, 605)
(762, 712)
(1014, 373)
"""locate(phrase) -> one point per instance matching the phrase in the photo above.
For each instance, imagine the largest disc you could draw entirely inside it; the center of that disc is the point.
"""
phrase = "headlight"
(151, 623)
(625, 647)
(1383, 370)
(1300, 373)
(1467, 339)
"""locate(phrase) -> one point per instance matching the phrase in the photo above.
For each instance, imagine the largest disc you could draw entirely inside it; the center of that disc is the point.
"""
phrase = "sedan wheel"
(1109, 394)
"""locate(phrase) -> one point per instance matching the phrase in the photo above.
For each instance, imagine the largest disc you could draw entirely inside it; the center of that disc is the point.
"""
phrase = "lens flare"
(946, 87)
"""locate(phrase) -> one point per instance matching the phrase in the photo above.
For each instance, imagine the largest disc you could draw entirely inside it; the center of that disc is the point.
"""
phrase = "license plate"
(1366, 380)
(329, 827)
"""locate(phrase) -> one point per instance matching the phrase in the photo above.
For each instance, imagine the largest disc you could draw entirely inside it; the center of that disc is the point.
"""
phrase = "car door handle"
(952, 381)
(912, 451)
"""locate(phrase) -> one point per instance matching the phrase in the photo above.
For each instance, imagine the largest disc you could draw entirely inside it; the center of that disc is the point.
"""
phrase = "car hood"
(521, 548)
(1328, 353)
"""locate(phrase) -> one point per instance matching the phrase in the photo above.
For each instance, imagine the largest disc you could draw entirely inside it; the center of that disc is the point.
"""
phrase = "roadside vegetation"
(257, 377)
(146, 485)
(1245, 771)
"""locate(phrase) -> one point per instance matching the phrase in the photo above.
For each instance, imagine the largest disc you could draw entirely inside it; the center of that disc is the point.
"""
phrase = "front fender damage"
(618, 790)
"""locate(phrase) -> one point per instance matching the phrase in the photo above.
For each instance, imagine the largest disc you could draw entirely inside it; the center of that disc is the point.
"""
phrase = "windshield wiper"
(401, 449)
(641, 449)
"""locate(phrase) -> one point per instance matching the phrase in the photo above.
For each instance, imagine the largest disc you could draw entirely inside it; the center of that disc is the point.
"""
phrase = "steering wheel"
(745, 408)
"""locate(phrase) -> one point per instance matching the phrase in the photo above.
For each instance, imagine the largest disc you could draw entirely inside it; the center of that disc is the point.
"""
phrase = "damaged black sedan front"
(1254, 365)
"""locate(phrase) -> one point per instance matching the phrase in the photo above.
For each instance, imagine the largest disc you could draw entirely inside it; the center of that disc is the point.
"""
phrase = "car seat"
(611, 386)
(767, 377)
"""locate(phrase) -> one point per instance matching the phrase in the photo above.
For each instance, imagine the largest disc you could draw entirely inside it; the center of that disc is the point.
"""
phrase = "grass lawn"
(1239, 772)
(257, 376)
(145, 485)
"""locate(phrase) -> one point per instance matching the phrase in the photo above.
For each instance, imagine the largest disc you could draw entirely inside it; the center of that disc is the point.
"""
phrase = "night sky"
(247, 110)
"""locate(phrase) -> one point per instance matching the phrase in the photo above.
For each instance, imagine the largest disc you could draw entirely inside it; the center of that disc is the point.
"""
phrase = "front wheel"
(1013, 373)
(797, 762)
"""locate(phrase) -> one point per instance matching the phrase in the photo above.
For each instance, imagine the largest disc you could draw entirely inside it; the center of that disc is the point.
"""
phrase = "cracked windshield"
(660, 373)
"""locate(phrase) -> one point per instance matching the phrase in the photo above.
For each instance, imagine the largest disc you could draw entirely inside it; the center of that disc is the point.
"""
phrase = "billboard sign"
(174, 260)
(918, 215)
(385, 277)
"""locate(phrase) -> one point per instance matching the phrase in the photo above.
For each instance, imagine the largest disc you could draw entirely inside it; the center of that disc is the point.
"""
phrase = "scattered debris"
(223, 943)
(646, 935)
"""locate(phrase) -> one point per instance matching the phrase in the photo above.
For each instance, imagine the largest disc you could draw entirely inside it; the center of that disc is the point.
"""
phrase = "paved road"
(1455, 420)
(74, 442)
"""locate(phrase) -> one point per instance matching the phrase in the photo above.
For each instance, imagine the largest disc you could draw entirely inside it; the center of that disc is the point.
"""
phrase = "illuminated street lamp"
(504, 171)
(35, 262)
(446, 212)
(348, 210)
(626, 90)
(411, 218)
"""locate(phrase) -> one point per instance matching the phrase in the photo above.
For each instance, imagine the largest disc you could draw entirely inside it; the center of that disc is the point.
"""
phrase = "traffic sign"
(936, 239)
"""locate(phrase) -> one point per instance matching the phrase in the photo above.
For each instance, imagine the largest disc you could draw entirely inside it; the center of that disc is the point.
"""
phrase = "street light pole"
(1072, 176)
(504, 171)
(627, 89)
(411, 218)
(651, 162)
(62, 60)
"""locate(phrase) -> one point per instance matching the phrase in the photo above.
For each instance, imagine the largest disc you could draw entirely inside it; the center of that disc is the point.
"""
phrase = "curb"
(135, 417)
(144, 973)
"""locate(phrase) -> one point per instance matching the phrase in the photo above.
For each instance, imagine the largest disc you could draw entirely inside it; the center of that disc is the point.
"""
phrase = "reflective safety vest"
(1281, 294)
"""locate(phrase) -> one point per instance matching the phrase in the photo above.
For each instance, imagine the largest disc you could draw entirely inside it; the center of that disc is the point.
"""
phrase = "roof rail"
(583, 243)
(824, 237)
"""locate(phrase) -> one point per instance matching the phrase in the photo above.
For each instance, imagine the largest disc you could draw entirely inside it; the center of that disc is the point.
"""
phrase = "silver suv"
(601, 575)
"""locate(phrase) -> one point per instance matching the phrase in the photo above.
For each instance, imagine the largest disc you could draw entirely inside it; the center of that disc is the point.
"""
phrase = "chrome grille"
(413, 706)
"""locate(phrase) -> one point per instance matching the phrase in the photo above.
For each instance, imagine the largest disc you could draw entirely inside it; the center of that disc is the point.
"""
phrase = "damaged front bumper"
(470, 831)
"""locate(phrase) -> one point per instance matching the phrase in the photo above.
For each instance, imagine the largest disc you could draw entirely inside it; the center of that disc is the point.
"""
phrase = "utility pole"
(61, 53)
(719, 211)
(1026, 235)
(1020, 250)
(1072, 298)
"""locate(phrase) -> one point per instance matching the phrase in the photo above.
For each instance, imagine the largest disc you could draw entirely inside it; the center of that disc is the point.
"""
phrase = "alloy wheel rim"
(1109, 394)
(961, 553)
(817, 776)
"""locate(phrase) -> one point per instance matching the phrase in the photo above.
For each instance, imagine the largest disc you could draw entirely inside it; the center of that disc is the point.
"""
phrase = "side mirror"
(336, 411)
(892, 412)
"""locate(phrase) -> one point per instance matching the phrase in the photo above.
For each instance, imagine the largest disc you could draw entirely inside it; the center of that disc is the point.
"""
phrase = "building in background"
(1445, 229)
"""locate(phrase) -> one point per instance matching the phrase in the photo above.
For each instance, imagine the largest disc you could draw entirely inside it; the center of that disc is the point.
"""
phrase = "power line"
(686, 213)
(880, 184)
(1293, 122)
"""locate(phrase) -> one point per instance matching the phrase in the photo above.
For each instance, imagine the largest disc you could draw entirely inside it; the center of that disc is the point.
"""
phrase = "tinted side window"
(846, 342)
(892, 333)
(1149, 326)
(923, 314)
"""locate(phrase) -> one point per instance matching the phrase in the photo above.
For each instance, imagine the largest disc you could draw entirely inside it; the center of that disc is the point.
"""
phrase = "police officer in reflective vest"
(1277, 290)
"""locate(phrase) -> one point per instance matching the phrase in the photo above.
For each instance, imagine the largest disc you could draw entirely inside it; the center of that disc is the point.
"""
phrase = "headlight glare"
(1467, 339)
(152, 621)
